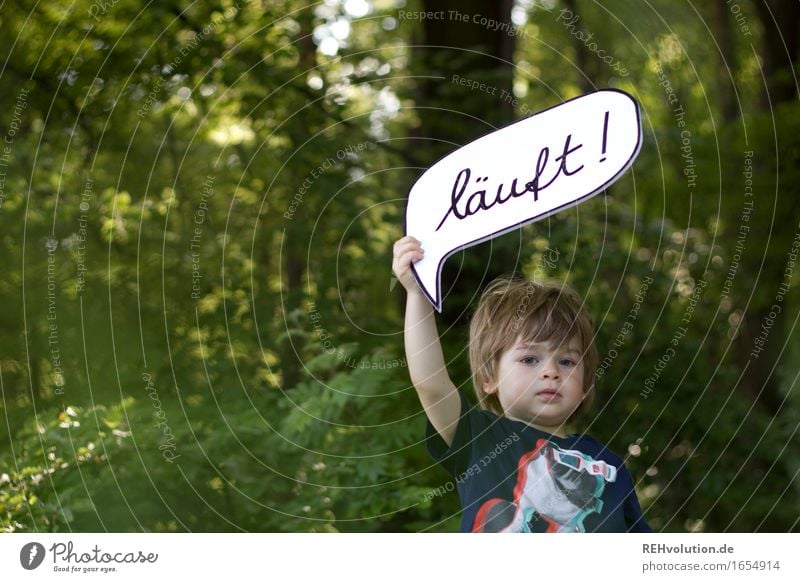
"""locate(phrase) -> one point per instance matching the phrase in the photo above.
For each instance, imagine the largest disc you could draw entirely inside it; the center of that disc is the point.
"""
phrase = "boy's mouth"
(549, 393)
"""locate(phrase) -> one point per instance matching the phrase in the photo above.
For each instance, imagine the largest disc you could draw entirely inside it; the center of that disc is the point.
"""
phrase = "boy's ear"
(489, 387)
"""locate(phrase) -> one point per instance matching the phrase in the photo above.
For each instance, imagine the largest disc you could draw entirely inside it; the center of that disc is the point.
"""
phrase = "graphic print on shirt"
(556, 489)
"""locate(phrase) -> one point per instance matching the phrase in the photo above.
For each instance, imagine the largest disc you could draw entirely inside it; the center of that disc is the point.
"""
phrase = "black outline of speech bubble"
(614, 178)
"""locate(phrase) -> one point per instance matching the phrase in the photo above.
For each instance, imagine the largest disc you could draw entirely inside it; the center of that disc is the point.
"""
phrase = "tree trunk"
(587, 66)
(448, 50)
(781, 22)
(296, 236)
(762, 380)
(721, 23)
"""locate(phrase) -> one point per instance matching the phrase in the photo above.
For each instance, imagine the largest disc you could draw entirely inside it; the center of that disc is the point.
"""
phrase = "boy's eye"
(535, 359)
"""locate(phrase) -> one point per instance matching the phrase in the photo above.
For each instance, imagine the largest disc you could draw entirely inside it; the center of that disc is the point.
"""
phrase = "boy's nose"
(550, 370)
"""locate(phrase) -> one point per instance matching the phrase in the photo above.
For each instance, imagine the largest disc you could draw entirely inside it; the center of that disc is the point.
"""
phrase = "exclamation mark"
(605, 137)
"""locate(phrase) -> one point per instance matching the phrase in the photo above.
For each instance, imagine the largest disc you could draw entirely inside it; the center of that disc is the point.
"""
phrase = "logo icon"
(31, 555)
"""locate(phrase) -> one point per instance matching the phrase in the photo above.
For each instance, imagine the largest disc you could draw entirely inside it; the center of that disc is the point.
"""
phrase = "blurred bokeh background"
(200, 330)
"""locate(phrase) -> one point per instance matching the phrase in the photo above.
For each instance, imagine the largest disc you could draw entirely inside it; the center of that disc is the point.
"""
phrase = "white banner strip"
(401, 557)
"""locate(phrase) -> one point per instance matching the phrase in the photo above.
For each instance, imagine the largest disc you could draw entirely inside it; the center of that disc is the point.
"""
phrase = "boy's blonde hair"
(512, 307)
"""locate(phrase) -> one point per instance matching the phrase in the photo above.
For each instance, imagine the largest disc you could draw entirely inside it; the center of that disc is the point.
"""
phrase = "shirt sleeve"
(634, 519)
(455, 458)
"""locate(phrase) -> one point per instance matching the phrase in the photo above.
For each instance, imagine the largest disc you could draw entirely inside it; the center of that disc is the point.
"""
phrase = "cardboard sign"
(521, 173)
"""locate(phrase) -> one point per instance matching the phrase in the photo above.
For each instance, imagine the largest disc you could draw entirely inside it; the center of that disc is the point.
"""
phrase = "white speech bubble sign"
(519, 174)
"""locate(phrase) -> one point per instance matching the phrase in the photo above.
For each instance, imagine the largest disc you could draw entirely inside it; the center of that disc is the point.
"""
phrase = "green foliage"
(199, 195)
(337, 454)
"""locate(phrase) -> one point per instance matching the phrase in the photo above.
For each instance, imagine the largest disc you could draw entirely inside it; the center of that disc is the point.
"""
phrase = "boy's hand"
(437, 393)
(407, 250)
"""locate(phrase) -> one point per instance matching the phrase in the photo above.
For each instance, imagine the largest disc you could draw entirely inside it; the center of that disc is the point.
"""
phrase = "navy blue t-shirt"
(513, 477)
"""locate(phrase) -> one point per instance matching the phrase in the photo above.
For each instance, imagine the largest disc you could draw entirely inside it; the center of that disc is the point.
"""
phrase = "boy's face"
(540, 384)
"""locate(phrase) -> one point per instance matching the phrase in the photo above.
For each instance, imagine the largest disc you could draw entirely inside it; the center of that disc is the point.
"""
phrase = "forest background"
(198, 200)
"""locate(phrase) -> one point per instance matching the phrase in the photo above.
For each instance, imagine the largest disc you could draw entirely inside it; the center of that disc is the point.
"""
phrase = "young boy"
(516, 466)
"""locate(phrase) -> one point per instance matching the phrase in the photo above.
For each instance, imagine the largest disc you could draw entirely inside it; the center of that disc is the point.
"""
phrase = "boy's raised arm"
(437, 393)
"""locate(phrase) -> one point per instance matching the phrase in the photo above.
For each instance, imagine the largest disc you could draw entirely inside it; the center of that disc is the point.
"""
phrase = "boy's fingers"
(411, 257)
(400, 249)
(405, 259)
(401, 260)
(406, 252)
(404, 241)
(400, 244)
